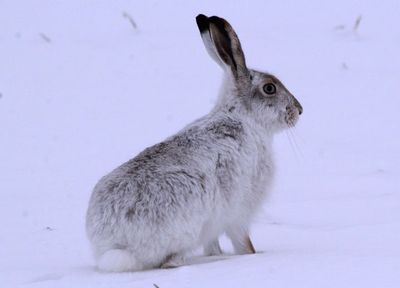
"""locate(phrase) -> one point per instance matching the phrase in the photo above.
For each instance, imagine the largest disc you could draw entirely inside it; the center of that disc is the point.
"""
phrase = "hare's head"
(259, 94)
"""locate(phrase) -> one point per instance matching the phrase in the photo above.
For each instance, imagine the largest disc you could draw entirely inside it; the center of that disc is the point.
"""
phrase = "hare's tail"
(118, 260)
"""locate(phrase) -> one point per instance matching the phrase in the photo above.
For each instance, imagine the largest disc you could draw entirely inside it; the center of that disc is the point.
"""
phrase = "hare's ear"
(222, 44)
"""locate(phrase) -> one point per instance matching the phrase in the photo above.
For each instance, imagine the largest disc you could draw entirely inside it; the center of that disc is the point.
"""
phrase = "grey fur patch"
(227, 129)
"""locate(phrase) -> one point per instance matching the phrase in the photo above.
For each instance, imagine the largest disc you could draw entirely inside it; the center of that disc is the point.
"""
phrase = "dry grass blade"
(127, 16)
(340, 27)
(357, 23)
(45, 37)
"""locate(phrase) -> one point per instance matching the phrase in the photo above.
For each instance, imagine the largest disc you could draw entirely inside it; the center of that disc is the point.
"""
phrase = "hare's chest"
(264, 170)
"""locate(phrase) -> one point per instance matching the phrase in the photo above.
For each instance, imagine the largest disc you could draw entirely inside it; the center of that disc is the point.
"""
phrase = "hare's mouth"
(291, 116)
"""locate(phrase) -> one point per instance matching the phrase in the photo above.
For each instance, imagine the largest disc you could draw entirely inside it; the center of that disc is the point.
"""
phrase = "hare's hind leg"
(213, 248)
(173, 261)
(118, 260)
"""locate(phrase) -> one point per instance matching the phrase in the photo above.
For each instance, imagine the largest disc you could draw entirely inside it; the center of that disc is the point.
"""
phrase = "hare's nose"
(298, 105)
(300, 109)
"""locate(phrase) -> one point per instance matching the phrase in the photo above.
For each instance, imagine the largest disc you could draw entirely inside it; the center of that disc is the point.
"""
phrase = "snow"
(82, 90)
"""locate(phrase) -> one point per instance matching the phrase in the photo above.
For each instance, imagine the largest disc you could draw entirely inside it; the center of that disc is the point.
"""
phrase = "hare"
(208, 179)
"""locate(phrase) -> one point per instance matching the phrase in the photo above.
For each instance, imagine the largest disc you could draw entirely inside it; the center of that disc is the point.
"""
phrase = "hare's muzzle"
(297, 104)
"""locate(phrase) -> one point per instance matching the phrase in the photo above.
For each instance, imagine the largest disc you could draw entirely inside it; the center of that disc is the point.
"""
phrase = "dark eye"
(269, 88)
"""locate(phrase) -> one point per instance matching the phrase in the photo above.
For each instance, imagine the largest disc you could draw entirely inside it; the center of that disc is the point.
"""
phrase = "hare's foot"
(241, 240)
(173, 261)
(213, 248)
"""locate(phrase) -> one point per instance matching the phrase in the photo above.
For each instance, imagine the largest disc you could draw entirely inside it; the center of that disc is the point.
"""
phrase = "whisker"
(291, 142)
(292, 132)
(298, 136)
(292, 139)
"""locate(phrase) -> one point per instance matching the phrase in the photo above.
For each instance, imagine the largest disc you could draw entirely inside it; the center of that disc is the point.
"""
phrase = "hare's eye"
(269, 88)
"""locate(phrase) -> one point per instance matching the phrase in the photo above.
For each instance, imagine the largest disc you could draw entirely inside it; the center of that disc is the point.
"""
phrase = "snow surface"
(82, 90)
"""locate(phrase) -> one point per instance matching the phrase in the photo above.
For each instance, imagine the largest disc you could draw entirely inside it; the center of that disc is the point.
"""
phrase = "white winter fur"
(208, 179)
(201, 227)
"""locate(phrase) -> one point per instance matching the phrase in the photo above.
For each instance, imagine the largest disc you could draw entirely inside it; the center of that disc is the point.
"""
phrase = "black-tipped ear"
(202, 23)
(222, 43)
(222, 40)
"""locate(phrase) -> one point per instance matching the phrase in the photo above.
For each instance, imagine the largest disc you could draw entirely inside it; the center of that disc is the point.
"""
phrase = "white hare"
(208, 179)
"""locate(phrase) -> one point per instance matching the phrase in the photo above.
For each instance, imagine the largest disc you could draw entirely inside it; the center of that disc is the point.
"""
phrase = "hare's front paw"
(213, 249)
(241, 240)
